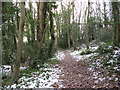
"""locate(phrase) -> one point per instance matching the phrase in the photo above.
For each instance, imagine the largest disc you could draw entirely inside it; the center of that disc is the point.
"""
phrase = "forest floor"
(72, 69)
(76, 74)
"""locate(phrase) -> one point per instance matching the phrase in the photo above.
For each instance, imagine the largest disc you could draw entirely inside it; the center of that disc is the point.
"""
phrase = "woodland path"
(75, 74)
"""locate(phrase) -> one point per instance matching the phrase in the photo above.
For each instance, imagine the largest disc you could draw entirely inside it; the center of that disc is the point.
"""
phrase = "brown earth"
(75, 74)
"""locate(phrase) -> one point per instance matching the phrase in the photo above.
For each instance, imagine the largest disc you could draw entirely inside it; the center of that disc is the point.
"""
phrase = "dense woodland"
(32, 33)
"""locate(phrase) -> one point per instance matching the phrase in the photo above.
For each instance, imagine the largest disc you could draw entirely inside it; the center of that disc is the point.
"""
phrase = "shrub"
(104, 49)
(88, 51)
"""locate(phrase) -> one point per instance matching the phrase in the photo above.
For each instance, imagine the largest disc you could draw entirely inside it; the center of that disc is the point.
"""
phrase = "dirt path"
(75, 74)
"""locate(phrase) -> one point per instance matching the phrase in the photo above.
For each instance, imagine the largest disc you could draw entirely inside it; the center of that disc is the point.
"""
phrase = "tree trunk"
(32, 24)
(51, 48)
(72, 31)
(45, 24)
(40, 27)
(68, 27)
(105, 17)
(17, 17)
(28, 32)
(19, 46)
(116, 16)
(87, 27)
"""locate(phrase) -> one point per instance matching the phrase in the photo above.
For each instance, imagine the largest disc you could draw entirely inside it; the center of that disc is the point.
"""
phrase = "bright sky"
(80, 5)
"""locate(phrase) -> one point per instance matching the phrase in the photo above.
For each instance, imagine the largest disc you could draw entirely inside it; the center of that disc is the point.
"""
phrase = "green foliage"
(29, 48)
(36, 62)
(9, 28)
(28, 71)
(88, 51)
(52, 61)
(104, 35)
(8, 11)
(44, 50)
(62, 41)
(6, 81)
(63, 38)
(104, 49)
(43, 56)
(109, 62)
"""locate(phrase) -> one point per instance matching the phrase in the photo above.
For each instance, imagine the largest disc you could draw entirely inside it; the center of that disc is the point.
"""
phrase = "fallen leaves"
(77, 74)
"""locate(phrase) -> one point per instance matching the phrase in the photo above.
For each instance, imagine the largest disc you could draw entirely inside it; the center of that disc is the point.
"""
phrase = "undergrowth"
(107, 59)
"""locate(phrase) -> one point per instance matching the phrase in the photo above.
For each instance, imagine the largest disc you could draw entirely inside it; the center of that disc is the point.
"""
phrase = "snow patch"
(6, 69)
(60, 55)
(76, 54)
(117, 51)
(94, 48)
(40, 80)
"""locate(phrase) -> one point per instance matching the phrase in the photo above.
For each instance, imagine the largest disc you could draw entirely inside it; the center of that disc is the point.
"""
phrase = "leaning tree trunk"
(19, 45)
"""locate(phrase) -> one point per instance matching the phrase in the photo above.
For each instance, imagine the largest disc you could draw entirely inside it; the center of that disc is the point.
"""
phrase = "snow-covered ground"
(50, 76)
(6, 69)
(116, 52)
(40, 80)
(76, 54)
(59, 55)
(97, 75)
(98, 63)
(83, 57)
(43, 78)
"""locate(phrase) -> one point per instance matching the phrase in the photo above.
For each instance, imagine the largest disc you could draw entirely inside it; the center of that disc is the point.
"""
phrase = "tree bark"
(72, 31)
(116, 16)
(68, 26)
(32, 24)
(40, 27)
(51, 48)
(87, 27)
(105, 17)
(19, 45)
